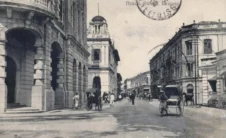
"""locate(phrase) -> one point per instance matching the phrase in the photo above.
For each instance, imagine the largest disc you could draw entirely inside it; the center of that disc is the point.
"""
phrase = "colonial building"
(127, 85)
(139, 83)
(43, 53)
(187, 58)
(104, 58)
(119, 83)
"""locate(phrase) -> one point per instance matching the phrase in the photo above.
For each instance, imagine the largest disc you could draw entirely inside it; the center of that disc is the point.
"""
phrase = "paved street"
(121, 121)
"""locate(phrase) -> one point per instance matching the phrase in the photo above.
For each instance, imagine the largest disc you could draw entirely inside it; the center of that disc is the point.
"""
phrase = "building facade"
(127, 85)
(187, 59)
(139, 83)
(104, 58)
(119, 83)
(43, 53)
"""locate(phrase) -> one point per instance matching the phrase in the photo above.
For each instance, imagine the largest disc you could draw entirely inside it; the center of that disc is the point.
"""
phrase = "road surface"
(124, 120)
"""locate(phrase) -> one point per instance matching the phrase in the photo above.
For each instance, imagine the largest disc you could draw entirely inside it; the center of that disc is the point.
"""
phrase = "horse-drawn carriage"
(173, 102)
(94, 97)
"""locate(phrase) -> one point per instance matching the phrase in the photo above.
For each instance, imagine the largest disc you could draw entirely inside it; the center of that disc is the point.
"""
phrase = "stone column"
(49, 93)
(84, 85)
(81, 86)
(3, 88)
(37, 95)
(60, 90)
(77, 78)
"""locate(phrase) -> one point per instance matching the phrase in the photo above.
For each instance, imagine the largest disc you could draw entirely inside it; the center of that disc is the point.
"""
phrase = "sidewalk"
(206, 111)
(53, 112)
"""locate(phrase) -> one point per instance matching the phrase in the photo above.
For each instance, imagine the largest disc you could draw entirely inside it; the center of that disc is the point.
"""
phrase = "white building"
(139, 83)
(187, 59)
(104, 58)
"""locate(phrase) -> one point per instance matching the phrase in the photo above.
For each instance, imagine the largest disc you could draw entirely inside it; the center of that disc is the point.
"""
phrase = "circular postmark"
(159, 9)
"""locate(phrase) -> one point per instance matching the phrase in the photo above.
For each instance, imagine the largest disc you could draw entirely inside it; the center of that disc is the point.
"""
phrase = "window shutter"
(92, 53)
(100, 57)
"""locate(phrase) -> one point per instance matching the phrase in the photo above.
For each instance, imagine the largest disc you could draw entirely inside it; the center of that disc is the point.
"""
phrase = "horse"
(189, 97)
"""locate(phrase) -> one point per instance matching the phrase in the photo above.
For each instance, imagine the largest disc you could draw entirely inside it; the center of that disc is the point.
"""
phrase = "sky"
(135, 35)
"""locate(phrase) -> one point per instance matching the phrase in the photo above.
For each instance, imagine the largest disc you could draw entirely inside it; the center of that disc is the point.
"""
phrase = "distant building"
(139, 83)
(119, 83)
(127, 85)
(187, 59)
(104, 58)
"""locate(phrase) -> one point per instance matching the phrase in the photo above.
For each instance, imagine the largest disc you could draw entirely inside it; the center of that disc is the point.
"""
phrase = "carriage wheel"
(100, 106)
(89, 107)
(162, 111)
(160, 108)
(180, 109)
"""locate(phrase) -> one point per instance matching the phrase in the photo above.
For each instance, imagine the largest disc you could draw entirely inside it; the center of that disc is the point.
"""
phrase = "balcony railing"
(46, 5)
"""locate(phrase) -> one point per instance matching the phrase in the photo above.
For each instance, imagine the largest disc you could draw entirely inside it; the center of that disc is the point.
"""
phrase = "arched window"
(189, 47)
(72, 14)
(207, 46)
(61, 10)
(190, 88)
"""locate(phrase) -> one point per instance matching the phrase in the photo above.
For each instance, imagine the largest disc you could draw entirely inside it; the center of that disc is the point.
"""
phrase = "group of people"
(111, 98)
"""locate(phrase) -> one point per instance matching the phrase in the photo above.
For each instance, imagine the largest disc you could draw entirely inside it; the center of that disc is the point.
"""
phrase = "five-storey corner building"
(187, 59)
(43, 53)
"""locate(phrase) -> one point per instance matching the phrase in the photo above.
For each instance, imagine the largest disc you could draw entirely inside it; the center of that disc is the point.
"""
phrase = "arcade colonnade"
(39, 67)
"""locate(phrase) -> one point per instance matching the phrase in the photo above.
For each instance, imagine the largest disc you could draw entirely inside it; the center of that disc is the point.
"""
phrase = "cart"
(94, 97)
(174, 102)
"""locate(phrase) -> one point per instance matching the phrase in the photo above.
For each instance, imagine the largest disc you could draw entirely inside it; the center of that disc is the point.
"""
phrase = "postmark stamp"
(159, 9)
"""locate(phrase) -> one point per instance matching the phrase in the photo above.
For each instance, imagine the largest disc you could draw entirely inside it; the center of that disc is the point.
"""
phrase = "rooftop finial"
(98, 8)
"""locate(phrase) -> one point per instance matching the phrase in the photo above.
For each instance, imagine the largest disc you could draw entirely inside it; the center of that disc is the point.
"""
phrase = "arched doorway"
(10, 80)
(74, 76)
(20, 57)
(190, 88)
(80, 82)
(56, 54)
(97, 82)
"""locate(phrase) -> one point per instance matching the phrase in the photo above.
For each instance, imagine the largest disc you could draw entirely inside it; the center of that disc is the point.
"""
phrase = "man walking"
(76, 99)
(112, 99)
(133, 98)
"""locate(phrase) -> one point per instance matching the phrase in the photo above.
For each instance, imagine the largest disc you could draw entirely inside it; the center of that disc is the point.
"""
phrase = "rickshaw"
(174, 100)
(94, 97)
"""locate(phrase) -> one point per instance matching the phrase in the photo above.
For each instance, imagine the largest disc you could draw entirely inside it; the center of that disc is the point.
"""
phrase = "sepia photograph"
(112, 69)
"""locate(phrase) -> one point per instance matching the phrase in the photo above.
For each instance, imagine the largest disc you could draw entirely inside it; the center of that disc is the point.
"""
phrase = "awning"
(214, 78)
(223, 74)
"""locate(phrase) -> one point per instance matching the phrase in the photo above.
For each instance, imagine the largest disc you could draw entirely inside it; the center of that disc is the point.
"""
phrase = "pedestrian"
(120, 97)
(76, 100)
(133, 98)
(112, 99)
(149, 96)
(130, 97)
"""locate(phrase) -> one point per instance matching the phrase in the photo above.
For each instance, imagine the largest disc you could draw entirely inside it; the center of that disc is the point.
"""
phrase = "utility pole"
(195, 72)
(196, 67)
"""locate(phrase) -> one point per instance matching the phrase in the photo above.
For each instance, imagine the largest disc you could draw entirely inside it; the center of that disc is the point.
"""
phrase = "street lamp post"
(196, 62)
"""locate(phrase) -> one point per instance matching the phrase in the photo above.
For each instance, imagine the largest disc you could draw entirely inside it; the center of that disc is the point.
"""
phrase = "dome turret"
(98, 19)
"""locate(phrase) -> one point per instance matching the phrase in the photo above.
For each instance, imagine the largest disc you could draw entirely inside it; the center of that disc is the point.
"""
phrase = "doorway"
(10, 80)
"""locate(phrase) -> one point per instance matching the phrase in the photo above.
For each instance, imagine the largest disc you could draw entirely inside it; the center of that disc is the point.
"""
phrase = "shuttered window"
(96, 55)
